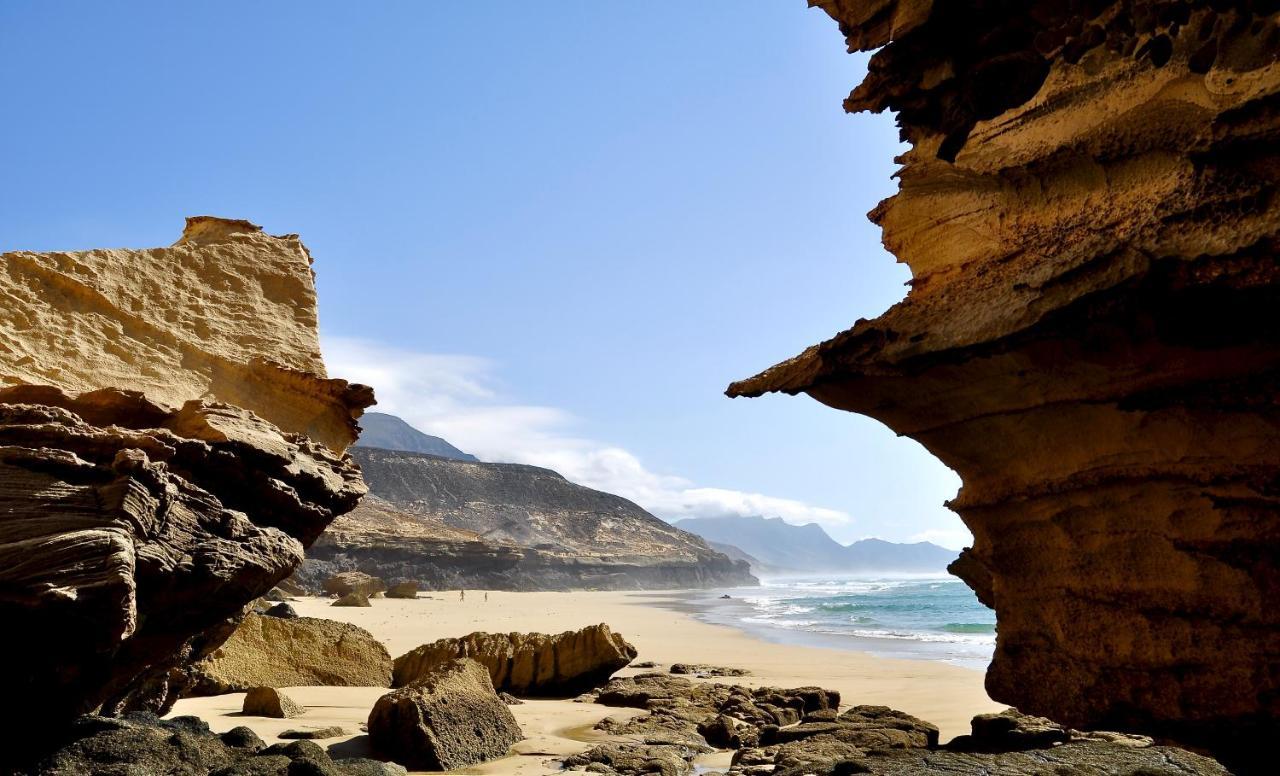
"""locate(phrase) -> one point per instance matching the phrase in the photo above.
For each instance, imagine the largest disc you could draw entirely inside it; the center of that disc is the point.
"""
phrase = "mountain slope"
(781, 546)
(378, 429)
(544, 531)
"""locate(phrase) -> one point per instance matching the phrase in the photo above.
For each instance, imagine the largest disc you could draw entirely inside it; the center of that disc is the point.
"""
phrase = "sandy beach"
(944, 694)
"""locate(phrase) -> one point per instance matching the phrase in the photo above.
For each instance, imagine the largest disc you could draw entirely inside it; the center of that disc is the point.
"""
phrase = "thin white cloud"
(452, 396)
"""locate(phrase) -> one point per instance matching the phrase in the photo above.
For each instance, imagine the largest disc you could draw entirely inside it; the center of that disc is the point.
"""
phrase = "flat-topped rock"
(227, 313)
(302, 651)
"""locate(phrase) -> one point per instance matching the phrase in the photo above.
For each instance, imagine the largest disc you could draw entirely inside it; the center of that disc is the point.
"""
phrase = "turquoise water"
(932, 618)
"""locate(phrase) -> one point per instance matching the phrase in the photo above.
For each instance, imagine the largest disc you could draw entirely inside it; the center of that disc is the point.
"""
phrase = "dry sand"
(944, 694)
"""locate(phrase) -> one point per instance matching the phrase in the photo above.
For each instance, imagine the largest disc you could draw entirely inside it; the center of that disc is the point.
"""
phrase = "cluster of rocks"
(802, 731)
(141, 743)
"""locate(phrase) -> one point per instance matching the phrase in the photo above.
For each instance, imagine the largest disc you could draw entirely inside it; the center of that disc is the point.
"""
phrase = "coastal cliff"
(452, 523)
(169, 445)
(1089, 210)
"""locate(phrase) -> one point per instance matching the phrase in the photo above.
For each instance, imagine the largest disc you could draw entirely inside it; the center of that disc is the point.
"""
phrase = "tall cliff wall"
(169, 444)
(1091, 340)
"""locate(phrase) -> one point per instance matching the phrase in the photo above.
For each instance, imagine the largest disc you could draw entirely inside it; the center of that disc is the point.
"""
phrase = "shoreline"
(707, 606)
(946, 695)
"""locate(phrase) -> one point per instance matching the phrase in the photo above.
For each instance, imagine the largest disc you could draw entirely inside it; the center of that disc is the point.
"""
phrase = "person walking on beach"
(486, 596)
(462, 595)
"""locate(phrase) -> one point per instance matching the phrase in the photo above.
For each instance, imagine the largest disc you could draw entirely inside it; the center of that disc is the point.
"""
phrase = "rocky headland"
(449, 523)
(1089, 211)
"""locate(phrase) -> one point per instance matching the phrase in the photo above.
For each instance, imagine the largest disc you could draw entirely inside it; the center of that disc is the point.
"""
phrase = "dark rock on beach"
(448, 718)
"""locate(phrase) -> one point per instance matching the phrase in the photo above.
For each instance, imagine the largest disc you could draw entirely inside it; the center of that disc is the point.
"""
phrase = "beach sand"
(943, 694)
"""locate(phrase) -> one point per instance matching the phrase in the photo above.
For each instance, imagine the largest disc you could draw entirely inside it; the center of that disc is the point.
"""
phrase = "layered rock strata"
(169, 445)
(527, 663)
(448, 523)
(1089, 210)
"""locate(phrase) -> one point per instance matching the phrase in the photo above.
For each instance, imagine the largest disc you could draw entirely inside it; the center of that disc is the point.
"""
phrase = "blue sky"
(551, 232)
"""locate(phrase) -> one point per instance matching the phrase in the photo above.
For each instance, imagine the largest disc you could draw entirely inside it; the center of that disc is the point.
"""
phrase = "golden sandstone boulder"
(527, 664)
(292, 652)
(449, 718)
(1090, 213)
(169, 445)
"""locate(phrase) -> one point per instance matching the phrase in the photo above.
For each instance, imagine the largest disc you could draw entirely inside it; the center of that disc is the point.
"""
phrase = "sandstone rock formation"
(353, 582)
(527, 663)
(403, 590)
(226, 314)
(449, 718)
(270, 702)
(169, 445)
(274, 652)
(1089, 210)
(352, 599)
(448, 523)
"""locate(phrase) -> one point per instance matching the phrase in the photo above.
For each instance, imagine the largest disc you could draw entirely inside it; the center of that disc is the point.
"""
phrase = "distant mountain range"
(446, 520)
(773, 546)
(378, 429)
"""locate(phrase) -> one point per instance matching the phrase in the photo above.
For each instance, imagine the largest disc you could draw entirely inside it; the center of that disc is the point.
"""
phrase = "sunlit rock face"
(1091, 340)
(169, 445)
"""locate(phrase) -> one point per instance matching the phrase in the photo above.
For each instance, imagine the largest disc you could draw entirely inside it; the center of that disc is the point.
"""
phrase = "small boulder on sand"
(270, 702)
(403, 590)
(448, 718)
(352, 599)
(282, 610)
(354, 582)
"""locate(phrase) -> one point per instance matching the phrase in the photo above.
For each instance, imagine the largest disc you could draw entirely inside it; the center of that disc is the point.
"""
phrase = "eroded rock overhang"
(1091, 340)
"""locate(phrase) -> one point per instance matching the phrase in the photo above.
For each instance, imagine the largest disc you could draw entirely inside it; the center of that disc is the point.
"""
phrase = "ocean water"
(922, 617)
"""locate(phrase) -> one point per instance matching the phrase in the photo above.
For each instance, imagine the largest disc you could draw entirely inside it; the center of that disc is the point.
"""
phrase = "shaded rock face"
(448, 524)
(449, 718)
(527, 663)
(299, 651)
(1089, 210)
